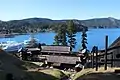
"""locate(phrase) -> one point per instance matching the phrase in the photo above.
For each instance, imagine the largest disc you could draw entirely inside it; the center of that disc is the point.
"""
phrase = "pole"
(93, 60)
(93, 51)
(106, 46)
(112, 59)
(96, 51)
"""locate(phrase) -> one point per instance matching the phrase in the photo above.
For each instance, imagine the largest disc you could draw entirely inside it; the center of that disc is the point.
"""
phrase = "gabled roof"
(115, 43)
(63, 59)
(52, 49)
(55, 49)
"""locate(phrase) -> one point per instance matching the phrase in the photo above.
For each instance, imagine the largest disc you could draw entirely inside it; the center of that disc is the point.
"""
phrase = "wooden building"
(58, 56)
(115, 52)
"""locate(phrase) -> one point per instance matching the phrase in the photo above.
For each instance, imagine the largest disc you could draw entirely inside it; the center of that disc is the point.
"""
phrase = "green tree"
(60, 38)
(84, 39)
(71, 33)
(86, 57)
(56, 39)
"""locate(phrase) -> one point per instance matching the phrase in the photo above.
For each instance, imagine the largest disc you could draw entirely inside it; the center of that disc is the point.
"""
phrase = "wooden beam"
(106, 46)
(93, 60)
(104, 62)
(96, 51)
(112, 60)
(104, 54)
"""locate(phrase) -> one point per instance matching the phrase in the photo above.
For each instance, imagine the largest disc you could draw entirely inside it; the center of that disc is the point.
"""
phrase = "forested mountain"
(45, 24)
(102, 23)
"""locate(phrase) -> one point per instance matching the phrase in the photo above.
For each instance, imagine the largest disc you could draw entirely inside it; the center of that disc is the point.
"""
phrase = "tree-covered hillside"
(102, 23)
(44, 24)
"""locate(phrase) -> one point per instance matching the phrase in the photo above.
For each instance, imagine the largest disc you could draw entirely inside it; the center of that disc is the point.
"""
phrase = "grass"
(92, 71)
(2, 75)
(19, 68)
(30, 65)
(53, 72)
(46, 74)
(41, 76)
(81, 73)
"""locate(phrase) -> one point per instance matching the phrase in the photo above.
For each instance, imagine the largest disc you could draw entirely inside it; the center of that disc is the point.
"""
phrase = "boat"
(7, 35)
(11, 46)
(4, 44)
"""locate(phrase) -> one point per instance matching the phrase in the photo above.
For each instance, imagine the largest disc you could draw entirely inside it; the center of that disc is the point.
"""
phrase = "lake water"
(94, 36)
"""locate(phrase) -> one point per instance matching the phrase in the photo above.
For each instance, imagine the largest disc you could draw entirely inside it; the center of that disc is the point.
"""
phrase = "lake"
(94, 36)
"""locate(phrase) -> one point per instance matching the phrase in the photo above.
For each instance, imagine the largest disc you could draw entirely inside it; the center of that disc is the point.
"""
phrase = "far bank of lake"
(94, 36)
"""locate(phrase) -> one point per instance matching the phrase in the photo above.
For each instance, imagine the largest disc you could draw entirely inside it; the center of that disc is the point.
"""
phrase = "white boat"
(11, 46)
(4, 44)
(15, 46)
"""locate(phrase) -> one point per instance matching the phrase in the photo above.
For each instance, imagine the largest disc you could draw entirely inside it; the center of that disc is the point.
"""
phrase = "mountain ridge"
(45, 24)
(61, 19)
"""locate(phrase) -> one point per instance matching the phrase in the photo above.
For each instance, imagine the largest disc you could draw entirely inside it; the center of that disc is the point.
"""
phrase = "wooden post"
(96, 51)
(93, 60)
(112, 59)
(106, 47)
(93, 51)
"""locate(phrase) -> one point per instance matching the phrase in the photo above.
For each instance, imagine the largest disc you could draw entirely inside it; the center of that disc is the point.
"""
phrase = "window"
(117, 55)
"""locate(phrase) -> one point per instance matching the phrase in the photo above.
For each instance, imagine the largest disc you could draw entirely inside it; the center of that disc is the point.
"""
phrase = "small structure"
(115, 52)
(111, 55)
(60, 56)
(56, 56)
(30, 54)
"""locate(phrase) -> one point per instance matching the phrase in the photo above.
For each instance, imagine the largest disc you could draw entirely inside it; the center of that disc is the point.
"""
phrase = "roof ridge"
(118, 39)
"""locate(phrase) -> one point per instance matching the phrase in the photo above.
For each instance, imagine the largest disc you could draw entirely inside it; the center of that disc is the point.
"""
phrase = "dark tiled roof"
(52, 49)
(55, 49)
(63, 59)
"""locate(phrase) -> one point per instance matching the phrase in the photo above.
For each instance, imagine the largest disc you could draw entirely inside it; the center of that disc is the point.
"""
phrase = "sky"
(59, 9)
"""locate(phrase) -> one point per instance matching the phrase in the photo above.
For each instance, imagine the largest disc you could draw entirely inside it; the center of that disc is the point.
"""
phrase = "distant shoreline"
(15, 34)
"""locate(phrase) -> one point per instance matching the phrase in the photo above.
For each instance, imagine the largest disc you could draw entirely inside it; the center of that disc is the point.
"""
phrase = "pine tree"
(56, 39)
(60, 38)
(71, 31)
(85, 58)
(84, 39)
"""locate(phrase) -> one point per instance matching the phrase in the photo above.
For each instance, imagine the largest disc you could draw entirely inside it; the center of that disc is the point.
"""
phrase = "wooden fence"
(95, 56)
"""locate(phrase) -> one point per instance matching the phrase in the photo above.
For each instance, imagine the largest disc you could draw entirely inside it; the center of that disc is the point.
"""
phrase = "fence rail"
(96, 57)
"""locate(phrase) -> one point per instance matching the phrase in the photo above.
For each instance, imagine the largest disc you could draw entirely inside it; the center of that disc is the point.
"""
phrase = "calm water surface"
(94, 36)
